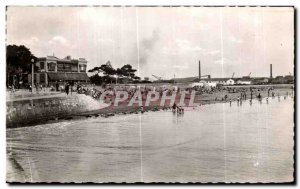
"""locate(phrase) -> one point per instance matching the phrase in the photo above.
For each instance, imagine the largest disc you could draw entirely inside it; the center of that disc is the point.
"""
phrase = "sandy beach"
(200, 99)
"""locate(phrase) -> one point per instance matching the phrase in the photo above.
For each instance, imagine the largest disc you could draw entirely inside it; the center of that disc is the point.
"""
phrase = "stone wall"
(30, 112)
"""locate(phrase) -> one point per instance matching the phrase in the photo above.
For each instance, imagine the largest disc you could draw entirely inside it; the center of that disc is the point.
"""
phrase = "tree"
(96, 79)
(108, 69)
(18, 62)
(95, 69)
(126, 72)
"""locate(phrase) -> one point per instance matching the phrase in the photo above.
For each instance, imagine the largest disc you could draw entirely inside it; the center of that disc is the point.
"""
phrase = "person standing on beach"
(57, 86)
(225, 97)
(67, 88)
(12, 89)
(142, 109)
(72, 84)
(174, 107)
(259, 97)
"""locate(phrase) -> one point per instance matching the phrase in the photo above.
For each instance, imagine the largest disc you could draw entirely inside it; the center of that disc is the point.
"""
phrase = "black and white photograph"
(150, 94)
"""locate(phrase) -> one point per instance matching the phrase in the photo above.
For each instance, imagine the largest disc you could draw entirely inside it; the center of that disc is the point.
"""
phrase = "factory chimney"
(199, 71)
(271, 74)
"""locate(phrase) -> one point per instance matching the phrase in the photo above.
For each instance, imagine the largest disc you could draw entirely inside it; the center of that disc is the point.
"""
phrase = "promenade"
(22, 94)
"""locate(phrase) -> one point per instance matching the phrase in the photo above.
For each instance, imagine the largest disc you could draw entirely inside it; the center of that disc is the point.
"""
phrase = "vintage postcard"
(137, 94)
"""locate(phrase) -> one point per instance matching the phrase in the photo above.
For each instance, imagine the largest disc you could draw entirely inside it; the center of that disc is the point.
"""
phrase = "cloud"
(163, 65)
(214, 52)
(186, 46)
(106, 41)
(97, 16)
(181, 46)
(148, 46)
(225, 61)
(30, 42)
(235, 40)
(180, 66)
(59, 40)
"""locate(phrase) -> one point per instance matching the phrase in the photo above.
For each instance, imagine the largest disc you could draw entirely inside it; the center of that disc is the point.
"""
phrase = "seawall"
(20, 113)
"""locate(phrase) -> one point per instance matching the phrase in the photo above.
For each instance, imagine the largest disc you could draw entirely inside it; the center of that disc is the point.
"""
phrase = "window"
(74, 68)
(51, 66)
(60, 67)
(42, 78)
(82, 67)
(67, 67)
(42, 65)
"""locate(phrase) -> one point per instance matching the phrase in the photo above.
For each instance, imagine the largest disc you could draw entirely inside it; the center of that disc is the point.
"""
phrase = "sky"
(163, 41)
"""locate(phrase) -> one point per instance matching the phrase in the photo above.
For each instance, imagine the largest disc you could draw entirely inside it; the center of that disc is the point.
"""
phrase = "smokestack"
(271, 74)
(199, 71)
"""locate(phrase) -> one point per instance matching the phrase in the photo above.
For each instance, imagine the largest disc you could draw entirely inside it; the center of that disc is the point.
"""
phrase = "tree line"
(18, 65)
(125, 74)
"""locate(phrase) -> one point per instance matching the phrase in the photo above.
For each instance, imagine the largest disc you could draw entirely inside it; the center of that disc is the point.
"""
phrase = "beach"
(109, 109)
(201, 99)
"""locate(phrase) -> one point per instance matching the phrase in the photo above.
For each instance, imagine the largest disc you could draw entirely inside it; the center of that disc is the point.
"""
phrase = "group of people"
(36, 86)
(178, 109)
(111, 93)
(70, 87)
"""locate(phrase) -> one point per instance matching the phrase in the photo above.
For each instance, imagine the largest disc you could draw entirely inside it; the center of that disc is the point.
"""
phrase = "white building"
(52, 69)
(244, 82)
(230, 82)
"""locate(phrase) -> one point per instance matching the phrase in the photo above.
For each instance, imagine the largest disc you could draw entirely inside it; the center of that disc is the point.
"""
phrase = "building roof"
(65, 60)
(245, 79)
(219, 79)
(69, 76)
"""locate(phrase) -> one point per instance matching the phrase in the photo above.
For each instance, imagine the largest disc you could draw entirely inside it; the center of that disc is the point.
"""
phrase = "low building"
(260, 81)
(289, 79)
(221, 81)
(243, 81)
(203, 83)
(230, 82)
(213, 82)
(52, 70)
